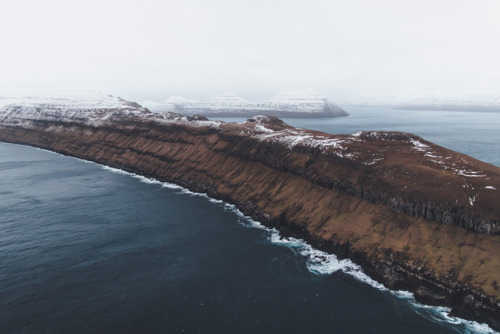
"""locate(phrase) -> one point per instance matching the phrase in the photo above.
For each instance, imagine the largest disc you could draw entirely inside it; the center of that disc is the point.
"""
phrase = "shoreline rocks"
(414, 215)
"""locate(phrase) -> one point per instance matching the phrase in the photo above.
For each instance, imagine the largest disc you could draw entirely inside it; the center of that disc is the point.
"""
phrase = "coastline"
(136, 146)
(319, 262)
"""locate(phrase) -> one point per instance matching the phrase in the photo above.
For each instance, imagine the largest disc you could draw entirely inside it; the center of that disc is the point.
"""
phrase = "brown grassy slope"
(346, 201)
(205, 158)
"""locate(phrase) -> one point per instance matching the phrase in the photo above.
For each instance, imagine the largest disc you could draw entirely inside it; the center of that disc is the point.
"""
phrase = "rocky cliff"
(415, 215)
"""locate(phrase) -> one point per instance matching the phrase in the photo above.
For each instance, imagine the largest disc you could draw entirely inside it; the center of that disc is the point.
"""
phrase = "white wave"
(136, 176)
(475, 327)
(116, 170)
(171, 186)
(403, 294)
(441, 314)
(318, 262)
(147, 180)
(216, 201)
(249, 222)
(240, 214)
(229, 206)
(275, 238)
(322, 263)
(186, 192)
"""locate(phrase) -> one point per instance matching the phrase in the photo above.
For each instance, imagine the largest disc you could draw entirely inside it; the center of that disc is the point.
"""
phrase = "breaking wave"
(322, 263)
(441, 314)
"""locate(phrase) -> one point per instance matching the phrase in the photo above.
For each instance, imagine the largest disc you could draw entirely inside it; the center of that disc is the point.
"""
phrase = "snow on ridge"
(293, 137)
(419, 146)
(90, 101)
(94, 109)
(305, 101)
(226, 99)
(469, 173)
(87, 110)
(261, 128)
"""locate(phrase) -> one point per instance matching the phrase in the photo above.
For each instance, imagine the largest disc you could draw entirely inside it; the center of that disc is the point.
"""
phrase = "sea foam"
(322, 263)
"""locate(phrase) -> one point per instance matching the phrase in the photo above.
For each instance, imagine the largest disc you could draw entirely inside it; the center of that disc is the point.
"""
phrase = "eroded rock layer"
(415, 215)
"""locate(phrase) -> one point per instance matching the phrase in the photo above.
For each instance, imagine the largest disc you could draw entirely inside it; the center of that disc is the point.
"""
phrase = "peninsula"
(414, 215)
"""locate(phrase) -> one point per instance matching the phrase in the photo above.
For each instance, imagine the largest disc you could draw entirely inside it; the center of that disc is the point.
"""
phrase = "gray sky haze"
(349, 50)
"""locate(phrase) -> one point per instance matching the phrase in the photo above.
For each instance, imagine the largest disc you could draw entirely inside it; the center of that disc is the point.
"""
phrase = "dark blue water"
(87, 250)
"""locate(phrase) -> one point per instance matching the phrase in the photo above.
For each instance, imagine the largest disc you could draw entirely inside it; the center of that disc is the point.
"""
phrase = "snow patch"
(419, 146)
(469, 173)
(262, 128)
(432, 155)
(292, 138)
(373, 162)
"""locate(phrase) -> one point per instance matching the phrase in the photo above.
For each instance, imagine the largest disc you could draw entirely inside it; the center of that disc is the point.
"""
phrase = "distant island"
(307, 104)
(416, 216)
(436, 101)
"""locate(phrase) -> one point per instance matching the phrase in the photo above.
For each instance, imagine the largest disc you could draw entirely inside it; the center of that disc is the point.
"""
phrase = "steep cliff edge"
(415, 215)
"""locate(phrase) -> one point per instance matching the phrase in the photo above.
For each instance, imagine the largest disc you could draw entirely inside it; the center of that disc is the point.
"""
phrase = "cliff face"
(416, 216)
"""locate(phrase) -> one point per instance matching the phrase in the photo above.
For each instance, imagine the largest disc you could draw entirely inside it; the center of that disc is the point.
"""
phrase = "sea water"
(89, 249)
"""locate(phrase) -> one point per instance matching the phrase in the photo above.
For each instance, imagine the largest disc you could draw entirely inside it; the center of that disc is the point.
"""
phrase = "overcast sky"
(348, 50)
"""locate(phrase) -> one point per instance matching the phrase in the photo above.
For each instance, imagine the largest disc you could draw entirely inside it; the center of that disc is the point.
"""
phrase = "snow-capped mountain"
(92, 107)
(304, 101)
(226, 100)
(82, 100)
(294, 104)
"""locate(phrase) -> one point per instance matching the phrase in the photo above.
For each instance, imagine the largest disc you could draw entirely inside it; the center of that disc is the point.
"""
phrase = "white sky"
(151, 49)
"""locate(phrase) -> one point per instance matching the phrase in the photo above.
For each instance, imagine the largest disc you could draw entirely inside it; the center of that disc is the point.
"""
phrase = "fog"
(349, 50)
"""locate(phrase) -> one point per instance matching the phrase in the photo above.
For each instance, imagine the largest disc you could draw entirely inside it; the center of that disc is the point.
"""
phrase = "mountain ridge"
(300, 104)
(415, 215)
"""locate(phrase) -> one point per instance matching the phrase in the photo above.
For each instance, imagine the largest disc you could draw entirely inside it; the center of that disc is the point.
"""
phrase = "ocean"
(85, 248)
